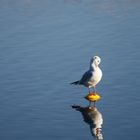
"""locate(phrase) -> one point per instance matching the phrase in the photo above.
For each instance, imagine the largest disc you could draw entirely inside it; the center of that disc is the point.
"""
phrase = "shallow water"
(45, 45)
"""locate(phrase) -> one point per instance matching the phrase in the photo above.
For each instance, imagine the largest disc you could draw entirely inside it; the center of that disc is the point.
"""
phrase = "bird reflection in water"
(93, 117)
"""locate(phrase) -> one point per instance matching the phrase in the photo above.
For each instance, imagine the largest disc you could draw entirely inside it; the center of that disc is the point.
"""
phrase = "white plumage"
(93, 76)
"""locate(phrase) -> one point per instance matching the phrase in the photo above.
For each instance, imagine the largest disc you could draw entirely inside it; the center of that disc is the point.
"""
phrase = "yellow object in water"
(93, 97)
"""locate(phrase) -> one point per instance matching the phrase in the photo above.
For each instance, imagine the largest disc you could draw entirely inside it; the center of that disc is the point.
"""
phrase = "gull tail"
(75, 83)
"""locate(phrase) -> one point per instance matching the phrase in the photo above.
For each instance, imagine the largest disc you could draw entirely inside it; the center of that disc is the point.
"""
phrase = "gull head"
(96, 60)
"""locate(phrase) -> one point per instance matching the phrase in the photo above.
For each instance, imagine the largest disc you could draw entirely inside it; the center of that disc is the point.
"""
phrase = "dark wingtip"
(75, 83)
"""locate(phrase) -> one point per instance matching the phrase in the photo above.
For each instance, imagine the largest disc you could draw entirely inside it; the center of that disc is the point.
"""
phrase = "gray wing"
(86, 77)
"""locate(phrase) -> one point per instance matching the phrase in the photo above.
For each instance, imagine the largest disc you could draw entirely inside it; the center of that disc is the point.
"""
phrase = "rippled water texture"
(45, 45)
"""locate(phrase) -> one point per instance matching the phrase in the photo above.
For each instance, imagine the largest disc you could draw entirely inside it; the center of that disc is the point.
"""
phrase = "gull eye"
(95, 57)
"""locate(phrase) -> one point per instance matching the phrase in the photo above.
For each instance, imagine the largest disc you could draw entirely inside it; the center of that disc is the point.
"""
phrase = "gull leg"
(89, 103)
(89, 90)
(94, 103)
(94, 89)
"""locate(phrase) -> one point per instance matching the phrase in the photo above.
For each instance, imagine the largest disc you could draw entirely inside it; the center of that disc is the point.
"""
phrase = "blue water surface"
(45, 45)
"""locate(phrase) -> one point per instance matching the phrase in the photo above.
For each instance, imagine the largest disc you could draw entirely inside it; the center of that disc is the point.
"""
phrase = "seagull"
(91, 77)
